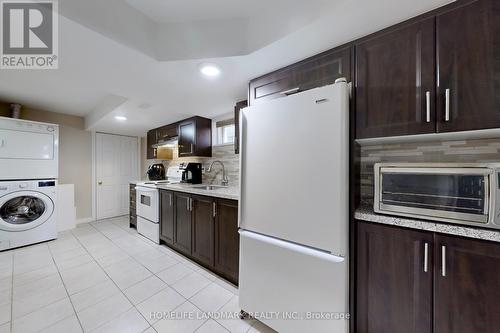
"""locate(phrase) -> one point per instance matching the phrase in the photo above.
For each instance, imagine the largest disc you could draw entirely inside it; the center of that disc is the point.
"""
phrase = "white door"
(117, 163)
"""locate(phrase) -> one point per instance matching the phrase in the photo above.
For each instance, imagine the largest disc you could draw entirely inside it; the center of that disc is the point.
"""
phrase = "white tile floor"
(104, 277)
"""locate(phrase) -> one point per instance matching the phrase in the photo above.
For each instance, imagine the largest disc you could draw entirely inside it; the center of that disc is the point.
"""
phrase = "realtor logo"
(29, 34)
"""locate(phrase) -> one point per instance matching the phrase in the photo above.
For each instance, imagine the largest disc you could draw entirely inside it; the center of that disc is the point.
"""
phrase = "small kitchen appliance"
(156, 172)
(191, 173)
(464, 193)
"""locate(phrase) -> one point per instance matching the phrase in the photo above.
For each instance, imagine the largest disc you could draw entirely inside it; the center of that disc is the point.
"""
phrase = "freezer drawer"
(284, 282)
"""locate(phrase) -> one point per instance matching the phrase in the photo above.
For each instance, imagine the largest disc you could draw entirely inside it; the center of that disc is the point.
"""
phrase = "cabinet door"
(167, 216)
(237, 108)
(203, 229)
(151, 140)
(394, 280)
(395, 82)
(468, 48)
(319, 70)
(227, 239)
(182, 229)
(187, 138)
(467, 280)
(166, 132)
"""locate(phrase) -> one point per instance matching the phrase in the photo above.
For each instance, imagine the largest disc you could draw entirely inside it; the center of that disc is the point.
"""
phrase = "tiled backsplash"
(223, 153)
(483, 150)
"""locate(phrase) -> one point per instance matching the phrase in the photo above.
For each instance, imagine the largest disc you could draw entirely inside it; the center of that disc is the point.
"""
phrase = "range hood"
(169, 142)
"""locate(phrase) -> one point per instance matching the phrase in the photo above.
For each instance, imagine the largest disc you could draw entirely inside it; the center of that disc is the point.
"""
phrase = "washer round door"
(24, 210)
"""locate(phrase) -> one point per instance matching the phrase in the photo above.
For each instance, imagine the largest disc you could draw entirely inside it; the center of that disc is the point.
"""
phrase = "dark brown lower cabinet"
(455, 290)
(167, 216)
(182, 224)
(227, 239)
(394, 290)
(203, 228)
(467, 290)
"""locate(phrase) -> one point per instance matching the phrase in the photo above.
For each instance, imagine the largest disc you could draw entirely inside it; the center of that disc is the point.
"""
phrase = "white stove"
(148, 204)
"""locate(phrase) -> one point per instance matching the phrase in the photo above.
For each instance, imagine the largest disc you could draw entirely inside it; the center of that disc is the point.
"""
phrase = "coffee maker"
(191, 173)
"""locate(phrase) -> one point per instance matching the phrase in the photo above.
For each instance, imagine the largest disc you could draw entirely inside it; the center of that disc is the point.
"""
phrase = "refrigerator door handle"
(293, 247)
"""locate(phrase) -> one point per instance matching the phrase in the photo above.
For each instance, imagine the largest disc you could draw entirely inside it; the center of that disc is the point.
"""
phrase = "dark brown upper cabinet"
(394, 280)
(467, 293)
(237, 109)
(166, 132)
(395, 82)
(468, 62)
(195, 137)
(167, 216)
(150, 141)
(316, 71)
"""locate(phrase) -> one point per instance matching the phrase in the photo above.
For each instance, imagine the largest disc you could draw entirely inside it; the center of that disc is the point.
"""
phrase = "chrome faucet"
(225, 180)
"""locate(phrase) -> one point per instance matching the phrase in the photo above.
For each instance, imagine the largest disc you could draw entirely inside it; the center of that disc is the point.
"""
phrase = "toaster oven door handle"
(443, 261)
(426, 257)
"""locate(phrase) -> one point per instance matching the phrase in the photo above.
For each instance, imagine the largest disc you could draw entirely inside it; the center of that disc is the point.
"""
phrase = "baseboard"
(85, 220)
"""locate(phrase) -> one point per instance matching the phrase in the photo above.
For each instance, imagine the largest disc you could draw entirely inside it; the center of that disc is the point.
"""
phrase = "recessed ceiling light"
(120, 118)
(210, 70)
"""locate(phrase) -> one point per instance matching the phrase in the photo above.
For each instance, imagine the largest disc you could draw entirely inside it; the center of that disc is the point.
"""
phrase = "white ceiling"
(167, 11)
(100, 76)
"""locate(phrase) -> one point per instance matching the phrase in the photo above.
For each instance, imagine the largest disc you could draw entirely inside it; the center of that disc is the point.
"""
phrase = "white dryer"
(27, 212)
(28, 149)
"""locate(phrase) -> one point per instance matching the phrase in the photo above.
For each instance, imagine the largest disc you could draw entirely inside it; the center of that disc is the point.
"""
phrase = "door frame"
(94, 167)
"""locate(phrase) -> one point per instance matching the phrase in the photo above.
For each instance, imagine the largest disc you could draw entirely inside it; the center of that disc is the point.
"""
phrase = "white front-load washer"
(27, 212)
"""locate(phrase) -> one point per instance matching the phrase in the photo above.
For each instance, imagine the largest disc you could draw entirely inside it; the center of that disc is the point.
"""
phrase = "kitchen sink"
(208, 187)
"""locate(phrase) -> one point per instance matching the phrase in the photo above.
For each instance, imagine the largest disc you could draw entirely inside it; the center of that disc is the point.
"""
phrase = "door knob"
(99, 183)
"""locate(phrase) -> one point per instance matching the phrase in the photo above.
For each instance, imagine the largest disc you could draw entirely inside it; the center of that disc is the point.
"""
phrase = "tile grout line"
(26, 314)
(131, 256)
(67, 293)
(122, 291)
(109, 277)
(12, 294)
(199, 291)
(167, 286)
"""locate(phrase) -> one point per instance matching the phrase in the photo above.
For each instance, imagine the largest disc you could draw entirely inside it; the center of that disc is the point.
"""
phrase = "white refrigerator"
(293, 214)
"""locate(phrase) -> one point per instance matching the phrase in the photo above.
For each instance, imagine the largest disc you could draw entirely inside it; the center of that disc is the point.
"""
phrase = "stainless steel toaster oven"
(466, 193)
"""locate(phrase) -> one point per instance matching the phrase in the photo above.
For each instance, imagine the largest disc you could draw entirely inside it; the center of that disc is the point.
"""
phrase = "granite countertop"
(366, 213)
(230, 192)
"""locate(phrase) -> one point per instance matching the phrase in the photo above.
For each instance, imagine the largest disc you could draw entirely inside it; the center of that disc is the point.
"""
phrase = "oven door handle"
(143, 190)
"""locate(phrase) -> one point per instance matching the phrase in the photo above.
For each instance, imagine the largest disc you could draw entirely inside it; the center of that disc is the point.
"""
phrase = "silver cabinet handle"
(214, 209)
(443, 260)
(192, 150)
(428, 106)
(447, 105)
(191, 204)
(170, 199)
(426, 257)
(291, 91)
(187, 204)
